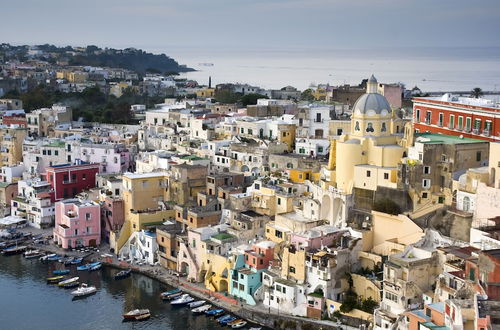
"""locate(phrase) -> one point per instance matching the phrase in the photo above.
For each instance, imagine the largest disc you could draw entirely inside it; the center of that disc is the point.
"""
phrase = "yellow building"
(118, 89)
(286, 134)
(77, 77)
(319, 94)
(368, 157)
(300, 175)
(205, 93)
(217, 269)
(11, 145)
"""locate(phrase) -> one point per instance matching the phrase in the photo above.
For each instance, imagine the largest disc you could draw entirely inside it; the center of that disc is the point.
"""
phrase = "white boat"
(239, 325)
(84, 290)
(195, 304)
(201, 309)
(182, 300)
(68, 281)
(32, 254)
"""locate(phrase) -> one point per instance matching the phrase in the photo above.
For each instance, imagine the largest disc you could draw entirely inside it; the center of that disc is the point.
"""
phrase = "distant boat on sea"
(205, 64)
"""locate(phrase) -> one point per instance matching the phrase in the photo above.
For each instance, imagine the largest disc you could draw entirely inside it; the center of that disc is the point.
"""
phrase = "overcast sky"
(341, 24)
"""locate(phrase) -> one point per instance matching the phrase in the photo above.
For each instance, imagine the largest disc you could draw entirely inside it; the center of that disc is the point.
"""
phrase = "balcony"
(486, 132)
(475, 131)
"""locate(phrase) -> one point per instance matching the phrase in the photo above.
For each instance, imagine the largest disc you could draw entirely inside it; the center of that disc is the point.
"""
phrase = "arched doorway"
(245, 168)
(223, 286)
(184, 267)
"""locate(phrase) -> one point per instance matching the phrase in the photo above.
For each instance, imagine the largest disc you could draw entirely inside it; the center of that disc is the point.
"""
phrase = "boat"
(95, 267)
(76, 261)
(46, 257)
(201, 309)
(137, 314)
(60, 271)
(173, 296)
(228, 319)
(259, 328)
(53, 257)
(239, 325)
(234, 322)
(182, 300)
(68, 281)
(14, 250)
(215, 312)
(123, 274)
(68, 261)
(223, 317)
(71, 285)
(32, 254)
(168, 293)
(195, 304)
(55, 279)
(88, 266)
(84, 290)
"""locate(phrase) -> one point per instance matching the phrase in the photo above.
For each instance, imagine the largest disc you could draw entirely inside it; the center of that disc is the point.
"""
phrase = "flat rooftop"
(434, 138)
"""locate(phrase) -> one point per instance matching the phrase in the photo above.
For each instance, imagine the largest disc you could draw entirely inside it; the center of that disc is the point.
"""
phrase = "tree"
(307, 95)
(386, 205)
(476, 93)
(251, 99)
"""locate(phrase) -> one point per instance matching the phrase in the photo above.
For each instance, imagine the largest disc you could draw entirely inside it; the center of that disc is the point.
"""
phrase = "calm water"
(431, 69)
(27, 302)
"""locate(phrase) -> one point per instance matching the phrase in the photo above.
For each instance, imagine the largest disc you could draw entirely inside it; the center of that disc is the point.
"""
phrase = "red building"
(456, 115)
(261, 255)
(67, 180)
(15, 120)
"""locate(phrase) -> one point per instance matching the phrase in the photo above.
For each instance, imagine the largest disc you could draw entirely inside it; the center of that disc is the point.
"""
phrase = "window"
(356, 127)
(279, 201)
(441, 119)
(44, 152)
(428, 312)
(427, 169)
(320, 149)
(468, 123)
(477, 126)
(424, 195)
(428, 117)
(460, 123)
(452, 122)
(291, 269)
(384, 127)
(368, 174)
(426, 183)
(242, 130)
(386, 176)
(56, 152)
(301, 151)
(391, 296)
(88, 216)
(284, 134)
(478, 156)
(417, 116)
(289, 165)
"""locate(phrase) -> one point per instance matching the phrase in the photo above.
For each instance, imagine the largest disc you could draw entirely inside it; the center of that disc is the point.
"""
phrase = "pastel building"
(67, 180)
(246, 277)
(78, 223)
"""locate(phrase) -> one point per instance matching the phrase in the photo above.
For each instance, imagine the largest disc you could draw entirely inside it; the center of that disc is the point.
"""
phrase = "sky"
(252, 24)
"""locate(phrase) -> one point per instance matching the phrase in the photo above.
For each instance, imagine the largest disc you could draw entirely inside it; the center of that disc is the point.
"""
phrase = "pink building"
(260, 256)
(317, 237)
(78, 223)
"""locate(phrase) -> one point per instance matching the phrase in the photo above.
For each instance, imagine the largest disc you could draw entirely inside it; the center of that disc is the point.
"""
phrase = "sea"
(27, 302)
(432, 69)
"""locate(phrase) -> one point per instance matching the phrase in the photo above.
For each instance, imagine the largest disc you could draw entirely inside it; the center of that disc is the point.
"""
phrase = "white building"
(140, 248)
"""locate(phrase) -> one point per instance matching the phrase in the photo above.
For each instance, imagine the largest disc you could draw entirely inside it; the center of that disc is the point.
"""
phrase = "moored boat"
(239, 325)
(53, 257)
(201, 309)
(55, 279)
(234, 322)
(95, 266)
(14, 250)
(137, 314)
(60, 271)
(84, 290)
(68, 261)
(69, 281)
(195, 304)
(173, 296)
(215, 312)
(227, 320)
(76, 261)
(171, 292)
(182, 300)
(123, 274)
(32, 254)
(71, 285)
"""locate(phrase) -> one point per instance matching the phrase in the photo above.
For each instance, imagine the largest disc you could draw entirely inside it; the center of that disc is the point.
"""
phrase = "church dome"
(372, 102)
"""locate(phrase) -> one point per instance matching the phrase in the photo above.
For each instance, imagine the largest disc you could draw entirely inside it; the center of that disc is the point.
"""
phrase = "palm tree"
(476, 93)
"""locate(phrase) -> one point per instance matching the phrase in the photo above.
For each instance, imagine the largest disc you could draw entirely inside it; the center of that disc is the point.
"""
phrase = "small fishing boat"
(195, 304)
(14, 250)
(32, 254)
(123, 274)
(68, 281)
(182, 300)
(95, 267)
(215, 312)
(84, 290)
(46, 257)
(55, 279)
(76, 261)
(259, 328)
(53, 257)
(137, 314)
(226, 320)
(60, 271)
(88, 266)
(71, 285)
(201, 309)
(239, 324)
(234, 322)
(223, 317)
(173, 296)
(168, 293)
(68, 261)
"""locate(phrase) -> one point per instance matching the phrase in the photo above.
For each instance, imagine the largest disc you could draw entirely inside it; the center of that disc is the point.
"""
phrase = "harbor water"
(27, 302)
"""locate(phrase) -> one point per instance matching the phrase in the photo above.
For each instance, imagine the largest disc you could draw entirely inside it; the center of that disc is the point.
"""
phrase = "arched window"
(369, 128)
(383, 128)
(356, 127)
